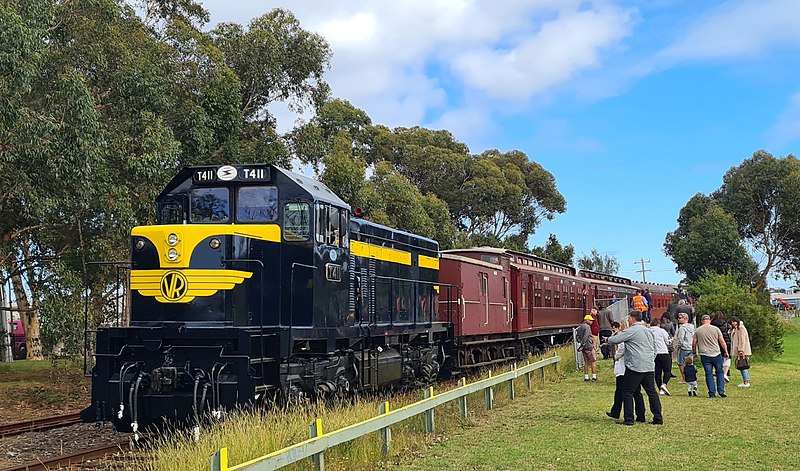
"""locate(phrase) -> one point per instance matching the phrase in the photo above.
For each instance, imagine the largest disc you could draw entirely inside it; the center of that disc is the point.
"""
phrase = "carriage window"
(296, 221)
(537, 297)
(524, 298)
(171, 213)
(321, 222)
(210, 205)
(491, 259)
(257, 204)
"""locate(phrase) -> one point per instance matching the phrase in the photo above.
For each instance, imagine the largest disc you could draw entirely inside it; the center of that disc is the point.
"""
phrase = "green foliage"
(707, 241)
(599, 263)
(724, 293)
(553, 250)
(763, 195)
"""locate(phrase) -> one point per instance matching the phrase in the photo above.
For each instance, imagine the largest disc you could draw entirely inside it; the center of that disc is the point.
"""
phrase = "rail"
(319, 441)
(38, 425)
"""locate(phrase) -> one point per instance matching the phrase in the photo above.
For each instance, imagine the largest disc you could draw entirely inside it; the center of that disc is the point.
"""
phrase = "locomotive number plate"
(333, 272)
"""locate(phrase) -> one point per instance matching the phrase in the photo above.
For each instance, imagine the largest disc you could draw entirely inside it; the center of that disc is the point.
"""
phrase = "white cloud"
(738, 29)
(787, 127)
(414, 62)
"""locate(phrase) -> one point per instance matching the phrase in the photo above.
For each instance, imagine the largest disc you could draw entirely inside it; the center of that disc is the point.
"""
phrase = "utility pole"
(643, 270)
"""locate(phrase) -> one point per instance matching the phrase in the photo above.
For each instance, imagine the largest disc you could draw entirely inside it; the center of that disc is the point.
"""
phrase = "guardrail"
(319, 441)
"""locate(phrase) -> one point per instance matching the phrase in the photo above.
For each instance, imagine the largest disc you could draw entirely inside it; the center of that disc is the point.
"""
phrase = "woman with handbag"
(740, 341)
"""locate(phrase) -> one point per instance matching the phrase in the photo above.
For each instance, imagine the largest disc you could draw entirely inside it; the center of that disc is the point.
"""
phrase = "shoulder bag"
(742, 363)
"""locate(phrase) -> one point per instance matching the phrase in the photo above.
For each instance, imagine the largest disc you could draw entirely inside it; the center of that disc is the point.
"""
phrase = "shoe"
(586, 379)
(661, 392)
(694, 393)
(746, 385)
(622, 422)
(616, 417)
(723, 395)
(727, 378)
(690, 393)
(594, 379)
(642, 420)
(657, 422)
(743, 385)
(665, 390)
(711, 396)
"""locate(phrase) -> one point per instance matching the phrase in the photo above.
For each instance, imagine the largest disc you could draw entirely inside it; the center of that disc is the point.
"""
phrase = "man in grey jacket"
(640, 365)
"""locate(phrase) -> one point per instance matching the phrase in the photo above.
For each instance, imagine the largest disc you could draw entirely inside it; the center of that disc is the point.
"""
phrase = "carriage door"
(483, 297)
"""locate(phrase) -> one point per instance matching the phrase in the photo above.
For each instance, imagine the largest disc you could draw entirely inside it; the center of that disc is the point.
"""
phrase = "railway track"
(37, 425)
(74, 459)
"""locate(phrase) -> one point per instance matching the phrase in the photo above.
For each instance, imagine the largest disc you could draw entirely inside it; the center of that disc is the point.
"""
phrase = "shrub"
(724, 293)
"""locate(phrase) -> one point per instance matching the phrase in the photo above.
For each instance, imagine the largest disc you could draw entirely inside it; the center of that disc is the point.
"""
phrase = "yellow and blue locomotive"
(255, 284)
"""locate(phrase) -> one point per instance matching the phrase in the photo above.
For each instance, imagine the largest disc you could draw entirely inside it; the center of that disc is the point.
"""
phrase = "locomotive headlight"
(172, 255)
(214, 243)
(172, 239)
(139, 244)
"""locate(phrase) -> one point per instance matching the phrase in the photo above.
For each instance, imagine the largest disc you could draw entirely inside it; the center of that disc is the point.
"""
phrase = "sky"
(633, 106)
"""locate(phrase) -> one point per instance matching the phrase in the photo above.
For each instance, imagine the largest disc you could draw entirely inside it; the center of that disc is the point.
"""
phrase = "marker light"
(172, 239)
(172, 255)
(214, 243)
(139, 244)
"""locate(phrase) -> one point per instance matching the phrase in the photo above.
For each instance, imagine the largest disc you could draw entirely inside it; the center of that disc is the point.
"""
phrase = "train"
(260, 284)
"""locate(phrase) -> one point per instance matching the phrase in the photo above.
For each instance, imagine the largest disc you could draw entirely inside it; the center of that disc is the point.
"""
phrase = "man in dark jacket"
(605, 318)
(648, 316)
(718, 320)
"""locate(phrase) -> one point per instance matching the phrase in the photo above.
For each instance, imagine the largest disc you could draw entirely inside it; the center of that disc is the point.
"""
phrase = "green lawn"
(564, 426)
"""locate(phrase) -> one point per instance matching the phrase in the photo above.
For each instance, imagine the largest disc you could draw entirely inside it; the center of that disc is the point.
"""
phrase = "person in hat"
(585, 341)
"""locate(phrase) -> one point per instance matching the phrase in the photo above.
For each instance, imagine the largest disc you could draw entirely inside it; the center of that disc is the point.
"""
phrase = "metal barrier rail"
(318, 441)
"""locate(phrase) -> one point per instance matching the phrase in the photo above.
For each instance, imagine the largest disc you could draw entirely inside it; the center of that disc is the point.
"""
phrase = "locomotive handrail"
(318, 441)
(116, 263)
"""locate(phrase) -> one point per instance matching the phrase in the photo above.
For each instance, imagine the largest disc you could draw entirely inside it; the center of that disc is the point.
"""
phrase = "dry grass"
(250, 434)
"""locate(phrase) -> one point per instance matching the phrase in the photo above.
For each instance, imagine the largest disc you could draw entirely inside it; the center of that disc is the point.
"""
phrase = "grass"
(31, 389)
(564, 426)
(251, 434)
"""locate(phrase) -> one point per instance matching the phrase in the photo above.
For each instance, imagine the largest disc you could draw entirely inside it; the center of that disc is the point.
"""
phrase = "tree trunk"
(30, 319)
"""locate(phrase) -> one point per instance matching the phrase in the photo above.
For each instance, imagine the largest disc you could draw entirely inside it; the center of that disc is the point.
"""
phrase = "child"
(691, 376)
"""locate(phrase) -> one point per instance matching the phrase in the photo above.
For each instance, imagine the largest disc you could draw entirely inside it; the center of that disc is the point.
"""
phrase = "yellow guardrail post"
(386, 432)
(315, 431)
(429, 419)
(463, 399)
(219, 460)
(489, 392)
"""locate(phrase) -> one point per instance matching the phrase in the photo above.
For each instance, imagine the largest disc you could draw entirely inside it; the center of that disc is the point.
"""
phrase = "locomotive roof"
(315, 188)
(393, 231)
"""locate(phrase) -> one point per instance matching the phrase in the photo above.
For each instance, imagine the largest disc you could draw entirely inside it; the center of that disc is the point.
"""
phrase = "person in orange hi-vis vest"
(640, 303)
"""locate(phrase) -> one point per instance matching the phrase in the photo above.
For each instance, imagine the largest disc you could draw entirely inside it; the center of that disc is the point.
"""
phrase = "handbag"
(742, 363)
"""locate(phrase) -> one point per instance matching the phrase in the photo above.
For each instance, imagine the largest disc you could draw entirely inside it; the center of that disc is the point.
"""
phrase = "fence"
(319, 441)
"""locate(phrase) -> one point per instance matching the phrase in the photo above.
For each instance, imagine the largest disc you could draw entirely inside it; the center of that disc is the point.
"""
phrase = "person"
(595, 326)
(639, 366)
(709, 344)
(685, 339)
(619, 375)
(649, 298)
(640, 303)
(740, 341)
(663, 359)
(669, 327)
(606, 319)
(586, 345)
(685, 308)
(691, 376)
(718, 320)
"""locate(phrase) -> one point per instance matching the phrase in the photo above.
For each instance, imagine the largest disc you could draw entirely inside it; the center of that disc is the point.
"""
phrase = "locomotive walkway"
(564, 426)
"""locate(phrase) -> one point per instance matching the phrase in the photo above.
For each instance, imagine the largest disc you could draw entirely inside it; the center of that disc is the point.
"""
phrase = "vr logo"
(174, 285)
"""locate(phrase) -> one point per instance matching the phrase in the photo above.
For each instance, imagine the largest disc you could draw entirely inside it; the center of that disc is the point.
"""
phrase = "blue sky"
(633, 106)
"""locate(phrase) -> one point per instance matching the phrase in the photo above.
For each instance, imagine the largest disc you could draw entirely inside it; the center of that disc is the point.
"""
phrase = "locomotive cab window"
(171, 213)
(210, 205)
(296, 222)
(345, 236)
(257, 204)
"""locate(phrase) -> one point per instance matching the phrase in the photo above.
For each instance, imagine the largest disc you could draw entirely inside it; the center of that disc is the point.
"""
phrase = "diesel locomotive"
(258, 283)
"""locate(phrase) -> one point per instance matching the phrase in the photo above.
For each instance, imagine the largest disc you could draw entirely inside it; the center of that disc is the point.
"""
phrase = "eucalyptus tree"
(594, 261)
